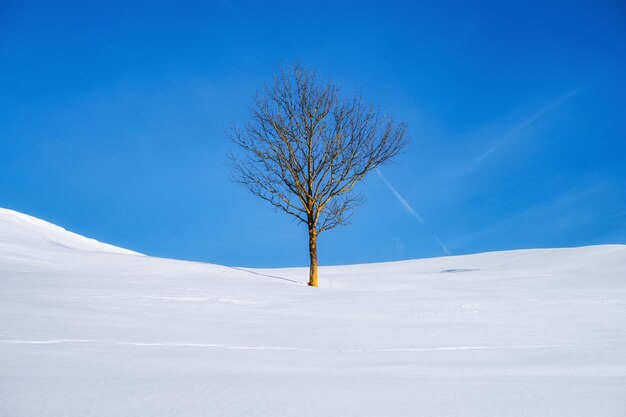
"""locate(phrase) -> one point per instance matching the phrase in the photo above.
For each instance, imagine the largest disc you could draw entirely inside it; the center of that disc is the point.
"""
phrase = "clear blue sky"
(112, 117)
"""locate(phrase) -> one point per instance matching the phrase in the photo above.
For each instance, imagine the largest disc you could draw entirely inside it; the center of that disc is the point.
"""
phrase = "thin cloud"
(568, 210)
(459, 166)
(401, 199)
(509, 136)
(411, 210)
(229, 4)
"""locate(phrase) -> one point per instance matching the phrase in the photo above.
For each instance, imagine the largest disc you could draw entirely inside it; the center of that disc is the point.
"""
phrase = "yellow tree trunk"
(313, 256)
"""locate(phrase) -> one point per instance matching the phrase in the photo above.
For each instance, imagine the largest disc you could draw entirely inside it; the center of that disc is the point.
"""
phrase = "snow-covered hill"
(88, 329)
(29, 236)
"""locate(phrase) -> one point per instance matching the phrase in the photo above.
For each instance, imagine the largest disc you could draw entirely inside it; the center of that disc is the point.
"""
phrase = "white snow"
(88, 329)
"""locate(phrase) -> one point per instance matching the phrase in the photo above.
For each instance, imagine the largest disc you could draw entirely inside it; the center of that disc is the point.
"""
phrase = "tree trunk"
(313, 256)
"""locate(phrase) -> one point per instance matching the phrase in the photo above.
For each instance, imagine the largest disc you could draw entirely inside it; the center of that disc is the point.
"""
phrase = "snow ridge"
(16, 227)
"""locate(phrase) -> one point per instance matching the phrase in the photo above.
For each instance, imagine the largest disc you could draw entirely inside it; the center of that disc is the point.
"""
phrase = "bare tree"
(305, 148)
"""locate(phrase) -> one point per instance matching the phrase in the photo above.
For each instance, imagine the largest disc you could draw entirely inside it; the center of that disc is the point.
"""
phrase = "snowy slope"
(30, 236)
(88, 329)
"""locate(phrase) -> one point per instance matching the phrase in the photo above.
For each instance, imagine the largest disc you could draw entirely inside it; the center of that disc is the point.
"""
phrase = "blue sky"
(112, 118)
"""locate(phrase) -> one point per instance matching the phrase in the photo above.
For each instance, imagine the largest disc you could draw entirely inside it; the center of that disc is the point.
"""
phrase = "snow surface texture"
(87, 329)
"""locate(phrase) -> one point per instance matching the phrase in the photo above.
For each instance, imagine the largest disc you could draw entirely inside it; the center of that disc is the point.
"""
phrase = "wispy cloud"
(411, 210)
(509, 137)
(564, 212)
(460, 163)
(401, 199)
(229, 4)
(461, 167)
